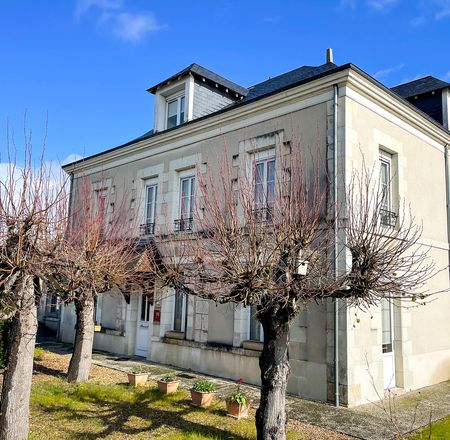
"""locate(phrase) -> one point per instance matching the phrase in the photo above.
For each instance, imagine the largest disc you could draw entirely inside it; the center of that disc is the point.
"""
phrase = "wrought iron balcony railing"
(183, 224)
(388, 218)
(147, 229)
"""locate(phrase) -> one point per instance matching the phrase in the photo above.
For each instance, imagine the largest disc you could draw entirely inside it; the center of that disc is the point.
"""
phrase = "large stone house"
(346, 114)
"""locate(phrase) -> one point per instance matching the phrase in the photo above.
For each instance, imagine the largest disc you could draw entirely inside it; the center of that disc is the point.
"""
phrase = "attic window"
(175, 111)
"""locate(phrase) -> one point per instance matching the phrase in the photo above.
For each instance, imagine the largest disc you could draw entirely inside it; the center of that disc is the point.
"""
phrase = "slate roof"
(287, 79)
(420, 86)
(284, 81)
(202, 72)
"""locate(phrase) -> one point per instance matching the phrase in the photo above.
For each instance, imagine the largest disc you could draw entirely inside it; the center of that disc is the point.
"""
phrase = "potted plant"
(238, 403)
(202, 393)
(138, 376)
(168, 384)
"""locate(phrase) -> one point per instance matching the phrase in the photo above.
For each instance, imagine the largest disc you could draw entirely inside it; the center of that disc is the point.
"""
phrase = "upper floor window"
(388, 216)
(175, 111)
(101, 209)
(187, 201)
(150, 209)
(265, 186)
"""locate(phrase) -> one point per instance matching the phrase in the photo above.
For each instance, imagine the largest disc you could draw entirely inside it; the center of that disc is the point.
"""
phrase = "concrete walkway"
(394, 416)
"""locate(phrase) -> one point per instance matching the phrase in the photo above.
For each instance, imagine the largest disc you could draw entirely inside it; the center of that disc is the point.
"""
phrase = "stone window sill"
(253, 345)
(172, 334)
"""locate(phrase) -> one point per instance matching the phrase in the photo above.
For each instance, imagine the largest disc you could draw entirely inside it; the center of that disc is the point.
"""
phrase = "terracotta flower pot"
(200, 399)
(138, 380)
(236, 410)
(168, 387)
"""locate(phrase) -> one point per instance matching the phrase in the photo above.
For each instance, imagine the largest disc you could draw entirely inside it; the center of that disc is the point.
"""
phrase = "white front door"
(387, 324)
(145, 313)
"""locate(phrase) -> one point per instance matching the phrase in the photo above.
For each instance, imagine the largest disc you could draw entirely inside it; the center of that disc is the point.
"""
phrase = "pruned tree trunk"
(17, 381)
(80, 362)
(274, 364)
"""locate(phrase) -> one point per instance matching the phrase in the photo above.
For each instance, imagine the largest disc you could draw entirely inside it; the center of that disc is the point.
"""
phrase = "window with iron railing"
(187, 201)
(264, 188)
(148, 228)
(388, 217)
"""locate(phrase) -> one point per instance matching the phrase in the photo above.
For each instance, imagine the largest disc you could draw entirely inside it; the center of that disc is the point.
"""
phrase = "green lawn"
(94, 410)
(439, 431)
(107, 407)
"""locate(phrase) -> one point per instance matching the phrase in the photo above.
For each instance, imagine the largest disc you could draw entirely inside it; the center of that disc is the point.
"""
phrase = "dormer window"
(175, 111)
(190, 94)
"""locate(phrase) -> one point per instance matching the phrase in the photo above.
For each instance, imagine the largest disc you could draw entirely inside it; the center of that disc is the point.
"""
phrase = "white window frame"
(148, 310)
(102, 194)
(192, 179)
(148, 185)
(183, 312)
(177, 97)
(261, 331)
(386, 159)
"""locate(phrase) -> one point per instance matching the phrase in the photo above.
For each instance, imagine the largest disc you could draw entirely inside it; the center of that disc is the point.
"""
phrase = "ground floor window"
(179, 312)
(386, 325)
(255, 333)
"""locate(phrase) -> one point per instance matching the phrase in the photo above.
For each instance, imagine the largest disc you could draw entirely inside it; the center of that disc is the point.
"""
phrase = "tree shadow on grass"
(39, 368)
(150, 408)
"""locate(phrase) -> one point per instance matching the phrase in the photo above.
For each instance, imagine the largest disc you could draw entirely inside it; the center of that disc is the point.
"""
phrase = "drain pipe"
(69, 213)
(336, 250)
(447, 193)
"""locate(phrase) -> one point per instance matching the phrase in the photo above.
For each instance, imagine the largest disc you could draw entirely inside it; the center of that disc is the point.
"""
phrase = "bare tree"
(30, 202)
(266, 238)
(95, 253)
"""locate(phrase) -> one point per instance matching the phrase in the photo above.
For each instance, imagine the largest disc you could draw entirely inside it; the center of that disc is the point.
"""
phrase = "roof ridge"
(290, 71)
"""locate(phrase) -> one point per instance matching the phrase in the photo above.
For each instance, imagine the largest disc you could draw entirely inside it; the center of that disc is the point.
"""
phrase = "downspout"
(336, 250)
(69, 211)
(447, 193)
(186, 317)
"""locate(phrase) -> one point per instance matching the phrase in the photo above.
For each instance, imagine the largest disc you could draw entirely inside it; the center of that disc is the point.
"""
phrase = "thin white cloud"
(134, 27)
(83, 6)
(73, 157)
(409, 79)
(381, 5)
(418, 21)
(447, 76)
(385, 73)
(443, 9)
(116, 19)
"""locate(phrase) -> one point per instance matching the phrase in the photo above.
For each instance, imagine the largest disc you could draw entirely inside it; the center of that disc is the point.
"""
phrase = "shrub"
(170, 377)
(204, 386)
(141, 369)
(39, 353)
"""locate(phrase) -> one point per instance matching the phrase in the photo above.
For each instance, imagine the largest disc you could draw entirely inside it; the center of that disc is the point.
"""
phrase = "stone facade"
(214, 339)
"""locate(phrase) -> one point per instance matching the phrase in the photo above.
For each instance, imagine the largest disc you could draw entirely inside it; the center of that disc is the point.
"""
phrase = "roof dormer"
(190, 94)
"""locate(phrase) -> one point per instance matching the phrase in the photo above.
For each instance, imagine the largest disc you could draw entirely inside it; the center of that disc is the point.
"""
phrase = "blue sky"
(87, 63)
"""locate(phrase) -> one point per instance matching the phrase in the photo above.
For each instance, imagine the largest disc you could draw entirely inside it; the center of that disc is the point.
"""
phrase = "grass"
(94, 410)
(39, 354)
(439, 430)
(114, 410)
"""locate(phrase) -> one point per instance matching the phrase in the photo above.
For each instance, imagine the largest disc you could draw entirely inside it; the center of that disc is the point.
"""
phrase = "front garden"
(108, 407)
